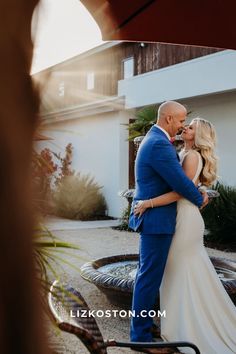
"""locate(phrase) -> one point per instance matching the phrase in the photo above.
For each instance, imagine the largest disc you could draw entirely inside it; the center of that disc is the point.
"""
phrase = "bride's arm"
(189, 165)
(163, 199)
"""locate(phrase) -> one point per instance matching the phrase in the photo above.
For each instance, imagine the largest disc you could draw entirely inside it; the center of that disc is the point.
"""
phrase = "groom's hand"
(205, 199)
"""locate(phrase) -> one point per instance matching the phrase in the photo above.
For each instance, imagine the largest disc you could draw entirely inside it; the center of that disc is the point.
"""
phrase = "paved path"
(55, 224)
(96, 239)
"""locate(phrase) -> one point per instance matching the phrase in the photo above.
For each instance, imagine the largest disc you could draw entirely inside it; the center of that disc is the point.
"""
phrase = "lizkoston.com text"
(116, 313)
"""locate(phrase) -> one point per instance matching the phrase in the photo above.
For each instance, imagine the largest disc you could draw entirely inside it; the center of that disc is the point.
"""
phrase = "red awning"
(210, 23)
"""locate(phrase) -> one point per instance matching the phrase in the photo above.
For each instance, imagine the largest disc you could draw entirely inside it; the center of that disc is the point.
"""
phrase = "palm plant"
(145, 118)
(48, 253)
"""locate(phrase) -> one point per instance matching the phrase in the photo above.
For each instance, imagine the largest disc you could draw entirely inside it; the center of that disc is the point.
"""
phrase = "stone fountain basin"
(114, 276)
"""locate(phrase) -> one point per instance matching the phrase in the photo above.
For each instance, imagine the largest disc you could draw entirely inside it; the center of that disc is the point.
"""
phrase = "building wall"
(201, 76)
(207, 86)
(65, 84)
(100, 140)
(155, 56)
(100, 149)
(220, 109)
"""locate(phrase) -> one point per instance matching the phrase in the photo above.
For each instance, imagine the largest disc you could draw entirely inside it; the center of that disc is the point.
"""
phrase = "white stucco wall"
(100, 149)
(220, 109)
(201, 76)
(207, 85)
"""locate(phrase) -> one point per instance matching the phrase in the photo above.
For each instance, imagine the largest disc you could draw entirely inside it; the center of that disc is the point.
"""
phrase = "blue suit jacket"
(158, 171)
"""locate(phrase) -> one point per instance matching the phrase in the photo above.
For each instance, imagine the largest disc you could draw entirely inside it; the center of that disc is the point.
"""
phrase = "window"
(128, 67)
(61, 89)
(90, 80)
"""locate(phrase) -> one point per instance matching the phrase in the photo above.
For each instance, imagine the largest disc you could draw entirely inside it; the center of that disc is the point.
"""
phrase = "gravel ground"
(96, 243)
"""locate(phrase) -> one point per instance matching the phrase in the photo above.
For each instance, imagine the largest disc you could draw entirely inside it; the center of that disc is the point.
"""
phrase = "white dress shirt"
(164, 131)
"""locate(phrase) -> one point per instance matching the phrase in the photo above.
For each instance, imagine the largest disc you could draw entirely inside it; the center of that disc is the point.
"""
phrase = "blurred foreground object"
(21, 322)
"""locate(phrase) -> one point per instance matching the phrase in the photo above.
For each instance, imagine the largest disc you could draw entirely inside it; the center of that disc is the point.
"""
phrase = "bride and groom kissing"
(172, 257)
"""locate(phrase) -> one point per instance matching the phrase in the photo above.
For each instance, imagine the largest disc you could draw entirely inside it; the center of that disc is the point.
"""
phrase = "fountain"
(114, 276)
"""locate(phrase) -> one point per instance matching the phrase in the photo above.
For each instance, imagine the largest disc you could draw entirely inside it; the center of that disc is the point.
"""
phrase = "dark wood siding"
(132, 154)
(107, 66)
(155, 56)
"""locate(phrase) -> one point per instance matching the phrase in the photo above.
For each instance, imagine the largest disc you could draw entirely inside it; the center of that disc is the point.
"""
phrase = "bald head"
(171, 117)
(170, 108)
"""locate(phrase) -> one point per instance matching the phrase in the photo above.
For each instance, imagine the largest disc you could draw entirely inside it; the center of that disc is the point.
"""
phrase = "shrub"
(65, 163)
(124, 225)
(43, 169)
(79, 197)
(219, 216)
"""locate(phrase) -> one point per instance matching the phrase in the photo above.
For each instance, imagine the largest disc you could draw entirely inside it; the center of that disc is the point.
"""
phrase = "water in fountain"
(124, 269)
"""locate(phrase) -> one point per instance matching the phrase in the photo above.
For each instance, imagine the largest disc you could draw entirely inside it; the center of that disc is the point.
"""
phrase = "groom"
(157, 171)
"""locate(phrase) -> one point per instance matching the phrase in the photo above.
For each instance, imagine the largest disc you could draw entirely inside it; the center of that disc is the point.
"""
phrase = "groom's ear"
(169, 118)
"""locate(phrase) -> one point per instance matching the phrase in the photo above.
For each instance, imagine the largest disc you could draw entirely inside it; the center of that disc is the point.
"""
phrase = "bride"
(198, 309)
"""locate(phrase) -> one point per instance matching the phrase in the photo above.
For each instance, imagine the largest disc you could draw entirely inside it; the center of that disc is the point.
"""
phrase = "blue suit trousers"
(154, 250)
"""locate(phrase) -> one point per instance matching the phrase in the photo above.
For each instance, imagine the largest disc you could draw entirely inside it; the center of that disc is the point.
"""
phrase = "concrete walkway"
(95, 239)
(55, 223)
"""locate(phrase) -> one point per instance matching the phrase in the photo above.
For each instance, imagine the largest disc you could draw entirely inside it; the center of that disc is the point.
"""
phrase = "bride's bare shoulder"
(195, 153)
(191, 157)
(190, 154)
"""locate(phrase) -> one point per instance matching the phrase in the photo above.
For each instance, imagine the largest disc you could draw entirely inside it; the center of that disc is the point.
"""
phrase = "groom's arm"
(165, 163)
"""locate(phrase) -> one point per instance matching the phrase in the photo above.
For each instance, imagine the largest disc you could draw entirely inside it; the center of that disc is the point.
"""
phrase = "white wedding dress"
(198, 309)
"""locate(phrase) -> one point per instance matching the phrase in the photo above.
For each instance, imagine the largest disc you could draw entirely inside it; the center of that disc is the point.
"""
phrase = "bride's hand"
(140, 207)
(205, 200)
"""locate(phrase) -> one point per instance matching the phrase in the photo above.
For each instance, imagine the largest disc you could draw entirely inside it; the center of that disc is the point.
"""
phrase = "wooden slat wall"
(156, 55)
(131, 161)
(108, 69)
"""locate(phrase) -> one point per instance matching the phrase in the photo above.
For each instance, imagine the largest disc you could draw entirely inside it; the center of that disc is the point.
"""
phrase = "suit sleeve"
(164, 161)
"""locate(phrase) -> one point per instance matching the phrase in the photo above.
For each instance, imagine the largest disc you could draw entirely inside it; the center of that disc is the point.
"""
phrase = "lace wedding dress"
(198, 309)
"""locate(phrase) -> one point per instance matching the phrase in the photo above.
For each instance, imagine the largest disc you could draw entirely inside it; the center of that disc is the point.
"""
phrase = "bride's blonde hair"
(205, 141)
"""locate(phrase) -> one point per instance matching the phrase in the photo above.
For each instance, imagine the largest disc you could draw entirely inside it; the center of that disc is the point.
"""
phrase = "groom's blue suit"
(157, 171)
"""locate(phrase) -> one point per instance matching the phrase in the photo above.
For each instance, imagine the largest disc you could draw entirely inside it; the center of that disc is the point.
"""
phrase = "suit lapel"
(155, 129)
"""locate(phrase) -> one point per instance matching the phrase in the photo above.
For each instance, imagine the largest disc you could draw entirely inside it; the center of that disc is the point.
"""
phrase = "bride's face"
(188, 133)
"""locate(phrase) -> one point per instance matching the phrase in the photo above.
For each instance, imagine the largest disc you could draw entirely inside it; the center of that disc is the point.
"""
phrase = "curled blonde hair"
(205, 142)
